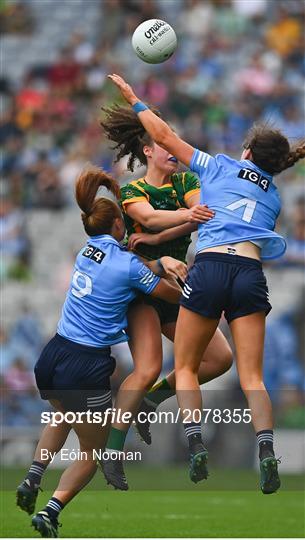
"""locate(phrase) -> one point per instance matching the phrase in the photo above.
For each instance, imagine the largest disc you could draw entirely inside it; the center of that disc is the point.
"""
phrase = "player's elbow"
(151, 222)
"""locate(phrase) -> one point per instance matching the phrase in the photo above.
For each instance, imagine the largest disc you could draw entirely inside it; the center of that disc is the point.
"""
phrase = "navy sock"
(265, 443)
(35, 473)
(54, 507)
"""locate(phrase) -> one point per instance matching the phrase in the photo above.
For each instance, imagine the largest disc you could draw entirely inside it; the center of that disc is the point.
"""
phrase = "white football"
(154, 41)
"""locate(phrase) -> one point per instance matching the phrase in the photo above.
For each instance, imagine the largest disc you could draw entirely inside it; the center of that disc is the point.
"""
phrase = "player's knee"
(146, 378)
(186, 372)
(251, 383)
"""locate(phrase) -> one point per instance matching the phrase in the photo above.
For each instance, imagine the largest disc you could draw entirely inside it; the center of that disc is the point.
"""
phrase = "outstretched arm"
(157, 220)
(167, 267)
(159, 130)
(159, 238)
(169, 234)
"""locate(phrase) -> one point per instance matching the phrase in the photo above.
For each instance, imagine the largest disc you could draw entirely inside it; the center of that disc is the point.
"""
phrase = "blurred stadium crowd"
(238, 61)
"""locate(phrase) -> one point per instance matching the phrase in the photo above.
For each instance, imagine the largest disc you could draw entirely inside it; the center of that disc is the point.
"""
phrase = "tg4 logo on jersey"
(255, 178)
(94, 253)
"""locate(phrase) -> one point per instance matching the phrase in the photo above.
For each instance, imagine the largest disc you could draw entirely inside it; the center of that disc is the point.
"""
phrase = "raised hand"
(143, 238)
(200, 213)
(174, 268)
(125, 89)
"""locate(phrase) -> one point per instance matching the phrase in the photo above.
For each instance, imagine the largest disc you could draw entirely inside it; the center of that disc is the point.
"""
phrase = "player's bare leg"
(216, 360)
(248, 335)
(193, 334)
(74, 479)
(52, 438)
(146, 349)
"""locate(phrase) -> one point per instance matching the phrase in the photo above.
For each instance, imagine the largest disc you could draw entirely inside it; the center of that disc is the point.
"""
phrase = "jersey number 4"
(249, 208)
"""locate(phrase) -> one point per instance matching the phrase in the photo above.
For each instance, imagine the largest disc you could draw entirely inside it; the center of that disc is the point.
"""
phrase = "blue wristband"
(139, 107)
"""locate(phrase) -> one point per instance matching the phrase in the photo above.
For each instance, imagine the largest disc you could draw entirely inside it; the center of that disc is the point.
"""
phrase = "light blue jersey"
(105, 280)
(246, 202)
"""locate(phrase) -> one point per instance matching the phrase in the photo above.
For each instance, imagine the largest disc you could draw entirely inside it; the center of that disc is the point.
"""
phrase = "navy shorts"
(76, 375)
(218, 283)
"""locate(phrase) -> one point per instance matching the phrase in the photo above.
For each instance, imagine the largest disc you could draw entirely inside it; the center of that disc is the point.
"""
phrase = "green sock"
(116, 439)
(160, 392)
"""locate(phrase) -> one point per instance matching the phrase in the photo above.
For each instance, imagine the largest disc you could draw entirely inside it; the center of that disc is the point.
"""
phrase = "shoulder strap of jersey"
(136, 183)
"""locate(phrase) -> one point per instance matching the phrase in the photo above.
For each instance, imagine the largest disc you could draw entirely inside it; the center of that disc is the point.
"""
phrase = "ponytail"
(123, 127)
(295, 154)
(98, 214)
(271, 150)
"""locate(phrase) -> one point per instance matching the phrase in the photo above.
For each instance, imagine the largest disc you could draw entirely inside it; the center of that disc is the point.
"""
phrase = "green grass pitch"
(209, 509)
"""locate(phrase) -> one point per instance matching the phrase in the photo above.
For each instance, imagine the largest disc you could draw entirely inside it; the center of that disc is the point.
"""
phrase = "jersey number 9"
(81, 284)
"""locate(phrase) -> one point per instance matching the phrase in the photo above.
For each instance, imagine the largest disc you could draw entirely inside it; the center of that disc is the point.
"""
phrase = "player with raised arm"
(73, 371)
(227, 275)
(159, 199)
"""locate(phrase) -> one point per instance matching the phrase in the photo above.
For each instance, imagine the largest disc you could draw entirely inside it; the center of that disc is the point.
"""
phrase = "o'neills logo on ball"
(153, 29)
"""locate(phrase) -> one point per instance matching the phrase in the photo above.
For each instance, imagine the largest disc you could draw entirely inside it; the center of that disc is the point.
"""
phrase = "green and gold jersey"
(170, 196)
